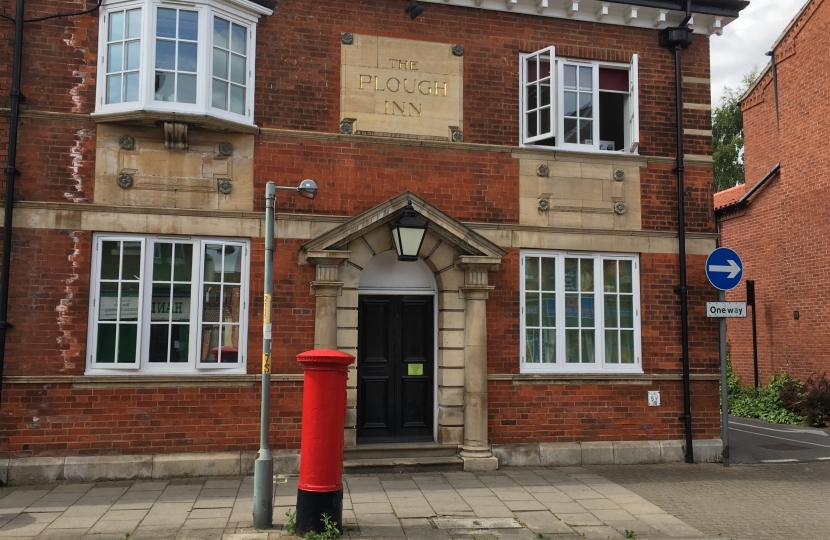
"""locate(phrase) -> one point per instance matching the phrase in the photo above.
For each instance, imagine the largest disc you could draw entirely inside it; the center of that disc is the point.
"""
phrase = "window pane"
(127, 335)
(532, 96)
(570, 131)
(612, 347)
(549, 346)
(129, 302)
(115, 56)
(544, 116)
(164, 86)
(609, 276)
(570, 103)
(189, 25)
(133, 23)
(572, 346)
(183, 262)
(570, 77)
(131, 84)
(238, 39)
(211, 303)
(586, 134)
(116, 30)
(220, 64)
(187, 57)
(627, 346)
(545, 95)
(110, 259)
(131, 263)
(230, 303)
(180, 306)
(530, 70)
(237, 99)
(626, 311)
(105, 349)
(571, 274)
(586, 105)
(220, 33)
(186, 88)
(210, 343)
(587, 311)
(531, 124)
(611, 311)
(532, 273)
(160, 304)
(165, 54)
(532, 309)
(586, 275)
(159, 343)
(166, 23)
(219, 95)
(588, 347)
(532, 346)
(572, 310)
(548, 274)
(548, 308)
(114, 89)
(213, 262)
(238, 69)
(133, 55)
(162, 262)
(108, 302)
(179, 342)
(586, 77)
(229, 349)
(625, 276)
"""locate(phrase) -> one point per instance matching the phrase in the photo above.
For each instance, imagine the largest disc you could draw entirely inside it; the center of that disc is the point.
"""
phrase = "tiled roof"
(728, 196)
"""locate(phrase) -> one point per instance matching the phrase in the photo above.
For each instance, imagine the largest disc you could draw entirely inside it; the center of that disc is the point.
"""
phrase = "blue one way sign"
(724, 269)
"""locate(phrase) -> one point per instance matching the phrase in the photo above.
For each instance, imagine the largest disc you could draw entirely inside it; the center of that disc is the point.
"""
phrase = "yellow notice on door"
(415, 369)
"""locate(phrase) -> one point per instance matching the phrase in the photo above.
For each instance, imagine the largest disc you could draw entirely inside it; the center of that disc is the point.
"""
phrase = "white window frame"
(599, 366)
(143, 366)
(240, 12)
(632, 140)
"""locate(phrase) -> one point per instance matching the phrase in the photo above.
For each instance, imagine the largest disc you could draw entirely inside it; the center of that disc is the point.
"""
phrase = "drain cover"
(476, 523)
(783, 447)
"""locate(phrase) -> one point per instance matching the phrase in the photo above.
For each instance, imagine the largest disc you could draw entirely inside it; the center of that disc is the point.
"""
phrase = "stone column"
(476, 450)
(326, 287)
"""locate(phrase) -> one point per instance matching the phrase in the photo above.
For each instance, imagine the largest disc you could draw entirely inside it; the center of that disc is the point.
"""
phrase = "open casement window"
(168, 305)
(580, 313)
(539, 116)
(578, 105)
(178, 57)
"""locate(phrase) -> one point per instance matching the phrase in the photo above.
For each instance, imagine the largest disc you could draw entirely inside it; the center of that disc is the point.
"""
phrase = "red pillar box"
(320, 490)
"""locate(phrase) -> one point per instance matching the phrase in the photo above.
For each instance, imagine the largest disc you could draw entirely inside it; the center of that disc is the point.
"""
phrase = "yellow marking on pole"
(267, 312)
(266, 363)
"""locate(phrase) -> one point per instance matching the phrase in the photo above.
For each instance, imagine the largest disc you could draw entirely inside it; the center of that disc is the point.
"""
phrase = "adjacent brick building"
(536, 140)
(776, 229)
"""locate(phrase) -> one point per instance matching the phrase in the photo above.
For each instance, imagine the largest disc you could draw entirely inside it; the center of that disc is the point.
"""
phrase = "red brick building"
(776, 228)
(536, 140)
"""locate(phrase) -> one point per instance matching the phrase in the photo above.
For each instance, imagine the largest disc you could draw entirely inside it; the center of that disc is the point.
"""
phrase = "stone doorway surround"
(460, 260)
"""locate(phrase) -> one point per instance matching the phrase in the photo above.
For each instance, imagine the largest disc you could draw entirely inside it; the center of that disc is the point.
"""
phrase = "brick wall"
(779, 235)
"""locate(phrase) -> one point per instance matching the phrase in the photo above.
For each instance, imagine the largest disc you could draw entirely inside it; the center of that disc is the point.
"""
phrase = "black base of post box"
(311, 506)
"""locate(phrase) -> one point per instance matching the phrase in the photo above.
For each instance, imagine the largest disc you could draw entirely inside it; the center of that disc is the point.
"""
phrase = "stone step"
(403, 464)
(399, 450)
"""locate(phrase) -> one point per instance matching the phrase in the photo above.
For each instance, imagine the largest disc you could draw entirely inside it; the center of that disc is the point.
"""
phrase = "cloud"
(745, 40)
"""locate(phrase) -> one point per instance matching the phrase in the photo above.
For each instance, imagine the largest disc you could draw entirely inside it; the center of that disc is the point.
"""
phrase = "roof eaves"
(743, 201)
(719, 8)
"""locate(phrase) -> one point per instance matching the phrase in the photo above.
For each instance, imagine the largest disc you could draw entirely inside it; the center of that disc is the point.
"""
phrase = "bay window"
(165, 305)
(195, 57)
(579, 312)
(578, 105)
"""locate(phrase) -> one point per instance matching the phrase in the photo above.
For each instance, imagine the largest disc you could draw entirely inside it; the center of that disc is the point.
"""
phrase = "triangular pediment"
(450, 230)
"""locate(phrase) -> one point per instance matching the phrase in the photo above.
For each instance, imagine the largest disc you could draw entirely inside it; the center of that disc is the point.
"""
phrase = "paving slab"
(543, 522)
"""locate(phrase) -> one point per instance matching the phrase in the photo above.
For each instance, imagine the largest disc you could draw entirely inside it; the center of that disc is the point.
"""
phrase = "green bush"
(763, 403)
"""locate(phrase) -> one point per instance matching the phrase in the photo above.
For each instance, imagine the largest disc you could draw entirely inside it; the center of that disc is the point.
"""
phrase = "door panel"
(395, 368)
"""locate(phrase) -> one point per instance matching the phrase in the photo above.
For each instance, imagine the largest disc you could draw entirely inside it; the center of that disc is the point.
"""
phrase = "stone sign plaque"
(400, 87)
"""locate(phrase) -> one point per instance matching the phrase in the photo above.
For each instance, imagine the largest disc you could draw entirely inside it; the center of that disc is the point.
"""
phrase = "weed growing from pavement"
(630, 534)
(291, 523)
(330, 530)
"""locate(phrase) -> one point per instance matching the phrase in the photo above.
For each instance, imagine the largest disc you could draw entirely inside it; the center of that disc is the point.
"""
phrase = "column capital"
(476, 286)
(327, 263)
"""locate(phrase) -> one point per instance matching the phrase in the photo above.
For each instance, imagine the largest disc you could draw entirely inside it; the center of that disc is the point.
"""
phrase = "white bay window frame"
(558, 329)
(533, 137)
(196, 319)
(240, 12)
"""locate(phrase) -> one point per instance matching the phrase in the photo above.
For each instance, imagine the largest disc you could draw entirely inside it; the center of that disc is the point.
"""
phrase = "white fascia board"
(618, 14)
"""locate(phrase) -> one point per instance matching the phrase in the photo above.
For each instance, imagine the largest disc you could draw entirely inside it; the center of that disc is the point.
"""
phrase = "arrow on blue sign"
(724, 269)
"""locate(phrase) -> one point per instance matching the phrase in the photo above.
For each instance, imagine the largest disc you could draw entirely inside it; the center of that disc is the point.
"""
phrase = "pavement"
(756, 441)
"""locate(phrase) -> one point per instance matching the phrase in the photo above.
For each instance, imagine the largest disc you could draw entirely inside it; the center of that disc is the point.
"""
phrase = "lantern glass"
(408, 234)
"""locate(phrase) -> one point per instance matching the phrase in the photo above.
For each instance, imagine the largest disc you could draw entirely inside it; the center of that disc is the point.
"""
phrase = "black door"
(394, 368)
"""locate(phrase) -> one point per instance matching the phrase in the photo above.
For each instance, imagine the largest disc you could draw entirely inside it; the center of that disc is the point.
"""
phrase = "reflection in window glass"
(229, 61)
(177, 33)
(119, 301)
(123, 55)
(221, 303)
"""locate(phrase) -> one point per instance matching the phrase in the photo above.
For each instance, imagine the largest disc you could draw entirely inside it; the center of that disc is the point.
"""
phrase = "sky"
(745, 40)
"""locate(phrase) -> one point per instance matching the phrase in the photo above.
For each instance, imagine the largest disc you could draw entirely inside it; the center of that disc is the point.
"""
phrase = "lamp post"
(264, 464)
(408, 234)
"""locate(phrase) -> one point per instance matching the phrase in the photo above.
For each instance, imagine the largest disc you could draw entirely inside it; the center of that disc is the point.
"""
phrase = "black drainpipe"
(678, 38)
(771, 55)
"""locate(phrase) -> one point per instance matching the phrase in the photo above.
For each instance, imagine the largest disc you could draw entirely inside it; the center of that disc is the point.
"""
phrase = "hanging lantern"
(408, 234)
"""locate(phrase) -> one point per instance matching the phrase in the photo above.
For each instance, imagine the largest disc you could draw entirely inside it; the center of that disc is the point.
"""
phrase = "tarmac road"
(756, 441)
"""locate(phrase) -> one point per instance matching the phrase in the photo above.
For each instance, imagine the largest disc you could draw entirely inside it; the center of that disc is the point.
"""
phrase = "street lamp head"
(307, 189)
(408, 234)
